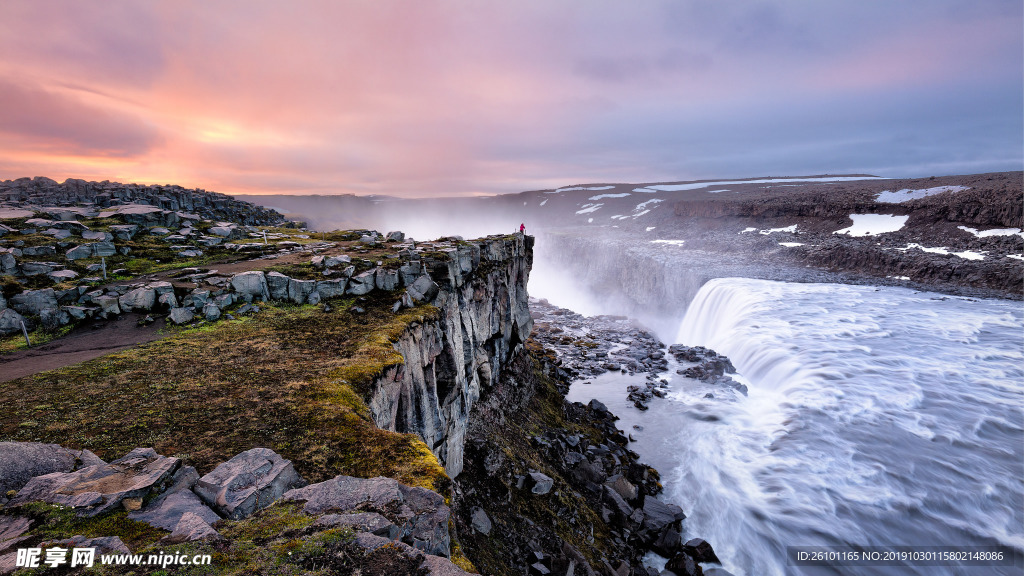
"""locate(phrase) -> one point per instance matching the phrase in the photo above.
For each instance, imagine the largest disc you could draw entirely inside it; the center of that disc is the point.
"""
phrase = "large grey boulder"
(138, 300)
(7, 263)
(181, 315)
(542, 483)
(96, 489)
(247, 483)
(167, 510)
(103, 249)
(386, 280)
(277, 283)
(331, 288)
(109, 305)
(480, 522)
(395, 236)
(420, 514)
(37, 268)
(32, 302)
(22, 461)
(62, 275)
(251, 285)
(211, 311)
(53, 318)
(362, 283)
(79, 252)
(334, 261)
(39, 250)
(409, 272)
(223, 231)
(659, 515)
(423, 289)
(124, 231)
(10, 321)
(299, 290)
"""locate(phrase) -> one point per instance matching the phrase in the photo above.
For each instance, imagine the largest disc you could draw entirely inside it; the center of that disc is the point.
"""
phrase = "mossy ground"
(286, 379)
(564, 511)
(279, 541)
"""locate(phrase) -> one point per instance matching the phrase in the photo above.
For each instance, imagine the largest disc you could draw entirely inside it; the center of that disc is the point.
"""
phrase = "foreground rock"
(248, 482)
(418, 517)
(100, 488)
(22, 461)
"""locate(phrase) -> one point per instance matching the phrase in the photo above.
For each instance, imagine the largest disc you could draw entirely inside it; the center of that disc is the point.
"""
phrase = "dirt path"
(86, 342)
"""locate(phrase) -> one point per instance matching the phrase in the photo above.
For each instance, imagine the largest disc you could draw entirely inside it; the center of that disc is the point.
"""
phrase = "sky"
(453, 98)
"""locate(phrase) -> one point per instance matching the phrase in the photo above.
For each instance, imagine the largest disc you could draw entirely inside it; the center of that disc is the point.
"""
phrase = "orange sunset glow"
(461, 98)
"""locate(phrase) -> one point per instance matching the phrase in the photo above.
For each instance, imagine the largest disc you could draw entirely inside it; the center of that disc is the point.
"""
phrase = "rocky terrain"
(345, 402)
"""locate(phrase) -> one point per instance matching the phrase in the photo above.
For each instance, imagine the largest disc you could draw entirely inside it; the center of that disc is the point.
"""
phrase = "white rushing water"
(876, 417)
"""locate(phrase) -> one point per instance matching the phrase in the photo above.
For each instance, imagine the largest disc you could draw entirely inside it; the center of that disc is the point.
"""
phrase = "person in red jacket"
(522, 228)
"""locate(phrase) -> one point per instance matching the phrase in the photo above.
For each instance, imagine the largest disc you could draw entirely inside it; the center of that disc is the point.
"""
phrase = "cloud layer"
(458, 97)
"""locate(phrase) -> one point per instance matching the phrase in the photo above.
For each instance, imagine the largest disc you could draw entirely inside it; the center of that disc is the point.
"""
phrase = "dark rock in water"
(598, 407)
(683, 565)
(701, 551)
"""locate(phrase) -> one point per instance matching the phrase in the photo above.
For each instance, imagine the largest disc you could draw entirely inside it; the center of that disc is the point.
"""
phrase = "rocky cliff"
(484, 319)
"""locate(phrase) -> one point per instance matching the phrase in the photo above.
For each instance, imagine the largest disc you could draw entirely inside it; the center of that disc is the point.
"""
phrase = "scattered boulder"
(542, 483)
(251, 285)
(362, 283)
(420, 514)
(480, 522)
(138, 300)
(249, 482)
(168, 509)
(423, 289)
(299, 290)
(395, 236)
(181, 315)
(32, 302)
(10, 321)
(22, 461)
(99, 488)
(277, 284)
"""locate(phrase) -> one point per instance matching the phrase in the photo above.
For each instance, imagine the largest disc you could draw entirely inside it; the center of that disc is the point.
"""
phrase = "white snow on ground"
(1016, 256)
(791, 244)
(993, 232)
(786, 229)
(603, 196)
(699, 185)
(544, 202)
(588, 208)
(643, 205)
(899, 277)
(966, 254)
(671, 242)
(590, 220)
(745, 230)
(716, 191)
(871, 224)
(639, 214)
(619, 217)
(908, 194)
(649, 228)
(578, 188)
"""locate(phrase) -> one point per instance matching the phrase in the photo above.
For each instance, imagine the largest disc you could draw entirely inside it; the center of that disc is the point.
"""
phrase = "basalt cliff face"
(483, 321)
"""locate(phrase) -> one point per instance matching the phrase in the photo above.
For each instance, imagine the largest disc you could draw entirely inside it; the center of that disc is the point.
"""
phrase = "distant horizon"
(494, 194)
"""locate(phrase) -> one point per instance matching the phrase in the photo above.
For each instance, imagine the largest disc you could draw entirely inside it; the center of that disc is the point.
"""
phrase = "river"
(876, 416)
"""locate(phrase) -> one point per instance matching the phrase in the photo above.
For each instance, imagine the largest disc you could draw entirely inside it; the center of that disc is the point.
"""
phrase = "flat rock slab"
(249, 482)
(12, 529)
(420, 514)
(97, 489)
(167, 510)
(362, 522)
(22, 461)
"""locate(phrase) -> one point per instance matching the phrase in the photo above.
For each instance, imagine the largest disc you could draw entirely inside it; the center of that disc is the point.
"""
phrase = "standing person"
(522, 228)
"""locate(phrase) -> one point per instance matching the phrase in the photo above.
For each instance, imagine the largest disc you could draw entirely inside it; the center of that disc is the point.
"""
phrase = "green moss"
(291, 378)
(37, 337)
(57, 523)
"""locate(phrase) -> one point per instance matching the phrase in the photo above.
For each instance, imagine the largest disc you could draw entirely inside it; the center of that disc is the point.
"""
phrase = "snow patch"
(994, 232)
(745, 230)
(639, 214)
(570, 189)
(905, 194)
(649, 228)
(588, 208)
(670, 242)
(791, 244)
(545, 201)
(643, 205)
(603, 196)
(871, 224)
(966, 254)
(791, 229)
(699, 185)
(717, 191)
(590, 220)
(1016, 256)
